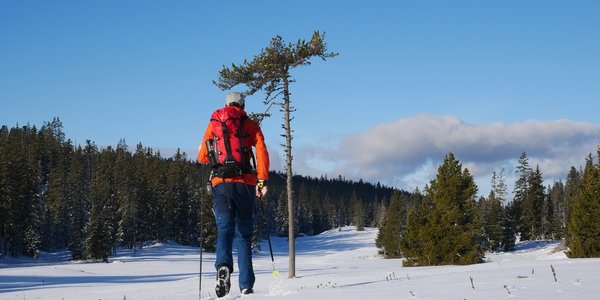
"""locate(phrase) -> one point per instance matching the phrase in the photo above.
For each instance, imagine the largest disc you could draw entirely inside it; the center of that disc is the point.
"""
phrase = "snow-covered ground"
(334, 265)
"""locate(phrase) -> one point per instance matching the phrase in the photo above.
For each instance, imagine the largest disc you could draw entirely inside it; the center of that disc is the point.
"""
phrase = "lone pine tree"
(270, 71)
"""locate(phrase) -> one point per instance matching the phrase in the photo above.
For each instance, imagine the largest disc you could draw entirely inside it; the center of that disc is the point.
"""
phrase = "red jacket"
(255, 139)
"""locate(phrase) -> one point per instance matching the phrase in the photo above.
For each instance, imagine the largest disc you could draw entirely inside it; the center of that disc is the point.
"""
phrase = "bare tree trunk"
(288, 152)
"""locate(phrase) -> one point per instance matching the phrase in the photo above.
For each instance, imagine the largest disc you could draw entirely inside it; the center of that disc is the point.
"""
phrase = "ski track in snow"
(337, 264)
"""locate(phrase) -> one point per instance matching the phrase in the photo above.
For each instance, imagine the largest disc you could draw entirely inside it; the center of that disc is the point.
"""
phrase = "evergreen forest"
(91, 200)
(448, 224)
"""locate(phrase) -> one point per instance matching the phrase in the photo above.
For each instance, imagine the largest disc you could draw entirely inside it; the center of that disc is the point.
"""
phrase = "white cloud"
(406, 152)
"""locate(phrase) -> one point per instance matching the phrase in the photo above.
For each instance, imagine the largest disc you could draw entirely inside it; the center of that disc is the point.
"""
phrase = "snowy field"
(334, 265)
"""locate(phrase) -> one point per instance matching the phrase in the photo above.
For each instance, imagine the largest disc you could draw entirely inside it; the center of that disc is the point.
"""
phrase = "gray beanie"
(234, 97)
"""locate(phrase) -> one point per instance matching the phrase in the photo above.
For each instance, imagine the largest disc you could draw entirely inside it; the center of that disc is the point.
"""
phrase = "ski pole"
(262, 207)
(201, 250)
(200, 235)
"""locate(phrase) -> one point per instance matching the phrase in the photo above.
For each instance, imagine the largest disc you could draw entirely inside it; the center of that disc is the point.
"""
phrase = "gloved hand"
(261, 188)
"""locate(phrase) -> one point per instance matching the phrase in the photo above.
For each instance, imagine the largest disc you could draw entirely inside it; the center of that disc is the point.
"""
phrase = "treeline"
(90, 200)
(325, 203)
(57, 195)
(448, 224)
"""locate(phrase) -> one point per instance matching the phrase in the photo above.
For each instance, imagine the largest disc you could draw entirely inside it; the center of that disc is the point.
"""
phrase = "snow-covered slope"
(338, 264)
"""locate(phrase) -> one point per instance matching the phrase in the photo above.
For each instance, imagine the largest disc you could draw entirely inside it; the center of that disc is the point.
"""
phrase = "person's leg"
(245, 203)
(224, 219)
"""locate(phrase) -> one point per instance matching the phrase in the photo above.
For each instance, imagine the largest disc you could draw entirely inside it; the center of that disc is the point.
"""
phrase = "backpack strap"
(226, 140)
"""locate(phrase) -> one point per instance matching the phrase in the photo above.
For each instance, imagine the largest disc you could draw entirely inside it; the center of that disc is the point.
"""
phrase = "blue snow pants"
(234, 206)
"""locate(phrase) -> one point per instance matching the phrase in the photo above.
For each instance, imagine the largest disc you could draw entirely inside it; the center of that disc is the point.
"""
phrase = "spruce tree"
(319, 217)
(155, 204)
(125, 196)
(143, 213)
(493, 222)
(393, 228)
(303, 212)
(54, 208)
(508, 228)
(413, 242)
(4, 190)
(193, 185)
(178, 199)
(555, 211)
(583, 226)
(342, 209)
(533, 204)
(573, 187)
(20, 195)
(450, 225)
(77, 203)
(359, 215)
(380, 214)
(520, 197)
(493, 212)
(282, 215)
(331, 212)
(356, 211)
(558, 197)
(101, 227)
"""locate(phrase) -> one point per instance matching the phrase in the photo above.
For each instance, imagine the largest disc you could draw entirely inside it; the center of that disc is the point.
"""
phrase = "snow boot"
(247, 291)
(223, 282)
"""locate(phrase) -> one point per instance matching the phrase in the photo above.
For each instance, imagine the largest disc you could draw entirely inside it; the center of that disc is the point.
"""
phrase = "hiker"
(227, 147)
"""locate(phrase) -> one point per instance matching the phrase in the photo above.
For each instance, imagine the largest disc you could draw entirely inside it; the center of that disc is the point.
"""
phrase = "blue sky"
(414, 80)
